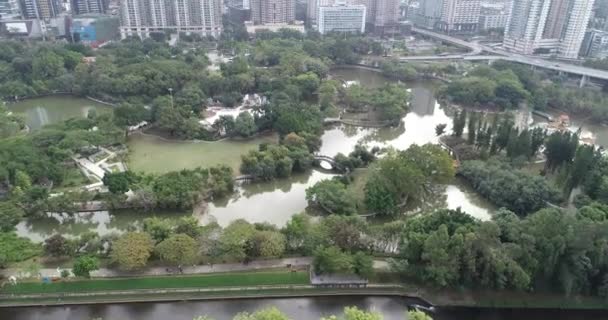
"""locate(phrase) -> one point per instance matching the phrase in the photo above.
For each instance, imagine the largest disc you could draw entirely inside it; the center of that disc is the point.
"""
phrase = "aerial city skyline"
(561, 28)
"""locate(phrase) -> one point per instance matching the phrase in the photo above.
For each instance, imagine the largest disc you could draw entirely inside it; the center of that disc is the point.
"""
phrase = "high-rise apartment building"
(341, 17)
(273, 11)
(312, 8)
(429, 13)
(525, 26)
(89, 6)
(386, 15)
(382, 16)
(550, 26)
(132, 17)
(494, 15)
(9, 8)
(141, 17)
(574, 31)
(556, 19)
(595, 44)
(492, 19)
(459, 16)
(40, 9)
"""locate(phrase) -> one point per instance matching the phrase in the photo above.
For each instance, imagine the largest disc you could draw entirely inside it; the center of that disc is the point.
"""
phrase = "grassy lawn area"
(73, 178)
(153, 154)
(198, 281)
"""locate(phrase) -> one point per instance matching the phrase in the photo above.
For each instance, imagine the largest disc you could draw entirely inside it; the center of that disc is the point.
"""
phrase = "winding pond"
(273, 202)
(288, 195)
(250, 202)
(39, 112)
(392, 308)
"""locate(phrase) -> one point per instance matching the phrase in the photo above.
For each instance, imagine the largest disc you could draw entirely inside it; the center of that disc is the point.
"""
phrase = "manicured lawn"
(199, 281)
(73, 178)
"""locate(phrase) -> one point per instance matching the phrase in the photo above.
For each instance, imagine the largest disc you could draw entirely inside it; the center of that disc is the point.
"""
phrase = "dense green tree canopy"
(266, 243)
(132, 250)
(179, 189)
(234, 239)
(331, 260)
(508, 187)
(84, 265)
(244, 125)
(332, 195)
(406, 174)
(10, 215)
(10, 124)
(159, 229)
(178, 249)
(560, 148)
(119, 182)
(449, 247)
(503, 85)
(58, 246)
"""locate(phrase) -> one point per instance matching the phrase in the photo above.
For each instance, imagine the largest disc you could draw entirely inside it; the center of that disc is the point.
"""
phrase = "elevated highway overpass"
(476, 50)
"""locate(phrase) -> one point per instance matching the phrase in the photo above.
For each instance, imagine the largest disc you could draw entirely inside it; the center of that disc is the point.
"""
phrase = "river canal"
(392, 308)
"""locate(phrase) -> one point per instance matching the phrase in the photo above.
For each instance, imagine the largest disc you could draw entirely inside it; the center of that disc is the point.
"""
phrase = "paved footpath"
(298, 262)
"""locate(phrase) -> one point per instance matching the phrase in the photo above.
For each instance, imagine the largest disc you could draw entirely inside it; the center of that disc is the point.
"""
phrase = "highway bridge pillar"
(583, 81)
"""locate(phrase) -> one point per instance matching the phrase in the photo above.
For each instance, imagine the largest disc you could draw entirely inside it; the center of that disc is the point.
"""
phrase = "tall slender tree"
(471, 128)
(459, 121)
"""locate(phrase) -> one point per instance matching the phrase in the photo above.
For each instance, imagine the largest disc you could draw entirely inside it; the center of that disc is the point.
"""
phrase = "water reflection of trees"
(422, 101)
(351, 131)
(275, 189)
(249, 190)
(434, 200)
(385, 134)
(366, 78)
(62, 223)
(102, 222)
(127, 221)
(282, 184)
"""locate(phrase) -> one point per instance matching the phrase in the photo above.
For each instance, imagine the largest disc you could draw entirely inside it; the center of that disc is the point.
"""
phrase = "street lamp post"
(171, 93)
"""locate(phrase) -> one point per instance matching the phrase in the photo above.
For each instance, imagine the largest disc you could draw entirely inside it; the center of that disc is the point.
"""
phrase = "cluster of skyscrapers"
(449, 16)
(272, 11)
(555, 27)
(550, 26)
(47, 9)
(57, 19)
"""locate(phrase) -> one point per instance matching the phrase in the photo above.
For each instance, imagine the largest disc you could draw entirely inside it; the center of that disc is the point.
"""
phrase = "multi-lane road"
(476, 50)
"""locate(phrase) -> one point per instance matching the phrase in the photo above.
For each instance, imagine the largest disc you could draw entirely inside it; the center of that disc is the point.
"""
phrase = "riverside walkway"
(296, 262)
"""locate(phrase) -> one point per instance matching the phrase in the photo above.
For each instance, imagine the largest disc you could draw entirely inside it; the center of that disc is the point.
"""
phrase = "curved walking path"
(297, 262)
